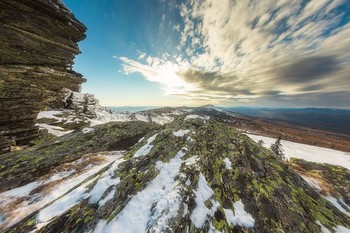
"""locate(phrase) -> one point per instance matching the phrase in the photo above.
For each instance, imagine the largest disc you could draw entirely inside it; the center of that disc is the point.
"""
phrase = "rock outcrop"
(38, 44)
(82, 103)
(71, 111)
(192, 175)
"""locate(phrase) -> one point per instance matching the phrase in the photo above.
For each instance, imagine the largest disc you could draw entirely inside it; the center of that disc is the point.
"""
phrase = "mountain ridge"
(228, 183)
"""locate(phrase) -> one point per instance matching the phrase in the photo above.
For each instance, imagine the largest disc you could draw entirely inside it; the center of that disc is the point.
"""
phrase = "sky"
(258, 53)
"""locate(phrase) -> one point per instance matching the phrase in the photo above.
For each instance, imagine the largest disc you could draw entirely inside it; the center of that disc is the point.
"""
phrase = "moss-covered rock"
(21, 167)
(257, 183)
(333, 180)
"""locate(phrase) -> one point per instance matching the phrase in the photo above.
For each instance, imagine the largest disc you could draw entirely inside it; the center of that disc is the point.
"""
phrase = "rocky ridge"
(191, 172)
(191, 175)
(38, 44)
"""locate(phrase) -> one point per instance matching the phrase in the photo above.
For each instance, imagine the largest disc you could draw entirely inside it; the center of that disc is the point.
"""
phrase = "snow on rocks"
(63, 204)
(105, 116)
(72, 198)
(88, 130)
(102, 185)
(181, 132)
(144, 150)
(108, 197)
(307, 152)
(190, 117)
(49, 115)
(228, 163)
(201, 212)
(162, 119)
(55, 130)
(312, 182)
(192, 160)
(323, 228)
(341, 229)
(153, 206)
(240, 217)
(338, 229)
(339, 203)
(18, 203)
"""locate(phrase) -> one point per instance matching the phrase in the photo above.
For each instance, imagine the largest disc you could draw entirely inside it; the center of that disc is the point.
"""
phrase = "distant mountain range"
(327, 119)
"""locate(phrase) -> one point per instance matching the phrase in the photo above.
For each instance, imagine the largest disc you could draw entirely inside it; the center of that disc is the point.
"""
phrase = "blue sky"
(244, 53)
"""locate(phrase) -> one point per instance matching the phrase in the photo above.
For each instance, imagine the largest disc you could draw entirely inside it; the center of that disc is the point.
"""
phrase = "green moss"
(88, 219)
(31, 222)
(220, 225)
(208, 204)
(89, 212)
(79, 220)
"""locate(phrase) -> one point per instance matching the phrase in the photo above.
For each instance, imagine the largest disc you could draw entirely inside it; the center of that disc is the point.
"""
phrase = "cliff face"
(38, 44)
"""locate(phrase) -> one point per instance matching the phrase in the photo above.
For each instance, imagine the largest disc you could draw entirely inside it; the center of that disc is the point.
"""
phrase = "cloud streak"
(256, 52)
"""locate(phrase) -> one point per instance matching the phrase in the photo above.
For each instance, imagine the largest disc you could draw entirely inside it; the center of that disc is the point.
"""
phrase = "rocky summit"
(191, 175)
(163, 170)
(38, 43)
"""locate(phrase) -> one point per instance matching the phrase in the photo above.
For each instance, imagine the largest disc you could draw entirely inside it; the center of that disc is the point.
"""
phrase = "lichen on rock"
(182, 184)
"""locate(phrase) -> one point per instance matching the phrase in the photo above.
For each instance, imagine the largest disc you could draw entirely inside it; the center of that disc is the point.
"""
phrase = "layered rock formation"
(71, 111)
(83, 103)
(38, 44)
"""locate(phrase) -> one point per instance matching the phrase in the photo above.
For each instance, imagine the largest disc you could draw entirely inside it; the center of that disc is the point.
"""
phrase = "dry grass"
(326, 187)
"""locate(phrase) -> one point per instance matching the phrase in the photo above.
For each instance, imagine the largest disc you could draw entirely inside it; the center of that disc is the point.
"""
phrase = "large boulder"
(38, 44)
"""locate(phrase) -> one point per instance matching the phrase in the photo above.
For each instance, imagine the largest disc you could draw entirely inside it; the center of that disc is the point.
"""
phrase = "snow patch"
(60, 176)
(312, 182)
(228, 163)
(201, 212)
(63, 204)
(181, 132)
(72, 198)
(192, 160)
(144, 150)
(323, 228)
(100, 226)
(105, 181)
(49, 115)
(189, 117)
(341, 229)
(240, 217)
(20, 191)
(54, 130)
(27, 204)
(152, 207)
(336, 203)
(88, 130)
(307, 152)
(109, 196)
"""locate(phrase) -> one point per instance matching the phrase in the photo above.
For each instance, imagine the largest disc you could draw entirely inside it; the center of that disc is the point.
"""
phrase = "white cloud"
(161, 72)
(249, 45)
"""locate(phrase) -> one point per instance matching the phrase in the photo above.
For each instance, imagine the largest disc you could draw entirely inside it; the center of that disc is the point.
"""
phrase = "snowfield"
(307, 152)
